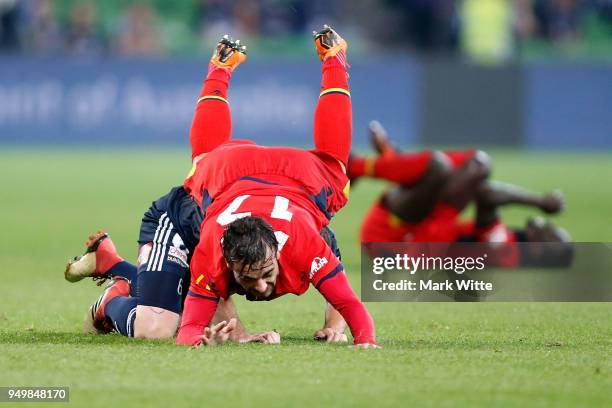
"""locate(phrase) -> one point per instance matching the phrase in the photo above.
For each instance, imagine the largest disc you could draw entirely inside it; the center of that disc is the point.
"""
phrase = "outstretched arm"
(212, 122)
(495, 194)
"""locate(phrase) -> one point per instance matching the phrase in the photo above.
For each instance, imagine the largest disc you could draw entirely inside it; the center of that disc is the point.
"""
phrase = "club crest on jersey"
(316, 265)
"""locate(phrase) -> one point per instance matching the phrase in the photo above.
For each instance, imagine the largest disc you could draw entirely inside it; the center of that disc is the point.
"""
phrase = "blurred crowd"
(486, 29)
(501, 29)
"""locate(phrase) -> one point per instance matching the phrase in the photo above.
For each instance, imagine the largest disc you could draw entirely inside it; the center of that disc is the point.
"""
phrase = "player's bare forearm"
(226, 310)
(334, 320)
(495, 194)
(333, 327)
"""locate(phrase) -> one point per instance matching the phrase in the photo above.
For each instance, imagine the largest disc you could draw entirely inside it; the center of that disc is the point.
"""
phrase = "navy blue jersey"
(171, 226)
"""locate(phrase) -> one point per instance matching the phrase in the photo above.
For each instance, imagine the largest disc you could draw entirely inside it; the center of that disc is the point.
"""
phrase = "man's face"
(257, 280)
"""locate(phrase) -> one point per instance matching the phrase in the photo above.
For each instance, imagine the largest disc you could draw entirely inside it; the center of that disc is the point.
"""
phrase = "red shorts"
(443, 225)
(318, 174)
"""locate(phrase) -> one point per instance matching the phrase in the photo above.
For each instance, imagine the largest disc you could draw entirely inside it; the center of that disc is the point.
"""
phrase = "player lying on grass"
(265, 206)
(390, 219)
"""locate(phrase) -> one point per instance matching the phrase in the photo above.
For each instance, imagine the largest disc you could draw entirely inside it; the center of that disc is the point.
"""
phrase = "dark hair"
(247, 240)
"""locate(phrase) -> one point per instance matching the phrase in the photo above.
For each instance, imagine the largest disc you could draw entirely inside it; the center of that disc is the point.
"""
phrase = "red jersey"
(317, 174)
(304, 255)
(304, 258)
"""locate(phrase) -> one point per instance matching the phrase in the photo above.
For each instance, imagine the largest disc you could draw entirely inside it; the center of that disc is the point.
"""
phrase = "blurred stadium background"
(534, 73)
(96, 100)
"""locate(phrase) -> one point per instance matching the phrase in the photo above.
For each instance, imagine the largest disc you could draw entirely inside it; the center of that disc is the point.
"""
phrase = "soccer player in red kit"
(266, 207)
(390, 218)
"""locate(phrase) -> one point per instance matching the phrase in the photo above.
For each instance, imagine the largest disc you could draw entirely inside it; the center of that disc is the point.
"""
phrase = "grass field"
(486, 354)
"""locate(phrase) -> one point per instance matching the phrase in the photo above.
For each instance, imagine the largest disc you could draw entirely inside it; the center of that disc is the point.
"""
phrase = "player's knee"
(158, 325)
(481, 165)
(155, 331)
(476, 170)
(440, 167)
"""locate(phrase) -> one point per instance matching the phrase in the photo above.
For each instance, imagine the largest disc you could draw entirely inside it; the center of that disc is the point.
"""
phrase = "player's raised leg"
(212, 123)
(421, 176)
(333, 116)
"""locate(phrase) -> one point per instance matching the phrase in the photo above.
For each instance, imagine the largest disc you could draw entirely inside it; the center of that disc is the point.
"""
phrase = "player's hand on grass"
(219, 333)
(553, 203)
(330, 336)
(270, 337)
(363, 346)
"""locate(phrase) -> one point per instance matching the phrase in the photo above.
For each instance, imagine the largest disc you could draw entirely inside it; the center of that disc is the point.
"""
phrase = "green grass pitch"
(491, 354)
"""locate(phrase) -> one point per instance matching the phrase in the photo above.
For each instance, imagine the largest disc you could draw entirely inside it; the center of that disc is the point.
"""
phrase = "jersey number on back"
(280, 212)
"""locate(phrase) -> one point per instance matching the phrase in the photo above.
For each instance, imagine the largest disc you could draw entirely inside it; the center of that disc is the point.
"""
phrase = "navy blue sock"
(122, 312)
(126, 270)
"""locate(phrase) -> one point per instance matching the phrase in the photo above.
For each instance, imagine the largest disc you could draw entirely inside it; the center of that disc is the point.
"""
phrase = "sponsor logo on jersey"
(316, 265)
(178, 256)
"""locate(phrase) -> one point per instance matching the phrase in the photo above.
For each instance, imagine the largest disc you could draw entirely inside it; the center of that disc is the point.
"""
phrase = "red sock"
(357, 166)
(333, 124)
(401, 168)
(212, 122)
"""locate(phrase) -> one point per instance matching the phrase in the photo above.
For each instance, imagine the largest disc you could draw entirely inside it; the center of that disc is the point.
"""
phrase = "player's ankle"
(222, 74)
(336, 61)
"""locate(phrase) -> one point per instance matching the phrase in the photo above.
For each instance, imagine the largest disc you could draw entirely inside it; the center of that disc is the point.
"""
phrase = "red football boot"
(96, 321)
(329, 44)
(228, 53)
(98, 258)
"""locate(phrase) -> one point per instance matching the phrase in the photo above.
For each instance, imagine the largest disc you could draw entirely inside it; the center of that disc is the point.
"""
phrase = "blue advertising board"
(148, 101)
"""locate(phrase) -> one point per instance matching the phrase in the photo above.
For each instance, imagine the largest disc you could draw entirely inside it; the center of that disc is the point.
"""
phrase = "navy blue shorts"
(171, 227)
